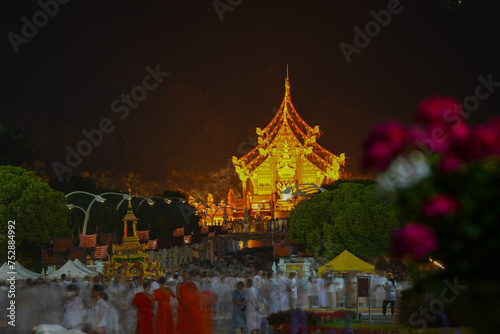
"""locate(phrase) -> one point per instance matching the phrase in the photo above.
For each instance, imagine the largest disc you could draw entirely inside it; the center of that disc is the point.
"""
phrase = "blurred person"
(258, 279)
(74, 313)
(223, 304)
(64, 282)
(270, 293)
(164, 318)
(390, 295)
(283, 294)
(154, 284)
(291, 289)
(320, 283)
(330, 289)
(239, 316)
(312, 293)
(101, 307)
(189, 317)
(350, 280)
(378, 292)
(144, 302)
(253, 322)
(340, 290)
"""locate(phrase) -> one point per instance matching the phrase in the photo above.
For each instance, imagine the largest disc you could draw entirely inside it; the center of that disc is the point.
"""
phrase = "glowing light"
(436, 263)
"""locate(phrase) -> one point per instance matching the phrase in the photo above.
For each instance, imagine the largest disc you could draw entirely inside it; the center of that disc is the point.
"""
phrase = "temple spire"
(287, 84)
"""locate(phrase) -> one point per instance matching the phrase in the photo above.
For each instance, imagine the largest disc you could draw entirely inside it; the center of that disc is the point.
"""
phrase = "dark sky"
(227, 76)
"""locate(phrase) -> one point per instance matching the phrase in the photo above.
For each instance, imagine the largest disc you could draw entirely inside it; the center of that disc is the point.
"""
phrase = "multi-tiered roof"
(288, 124)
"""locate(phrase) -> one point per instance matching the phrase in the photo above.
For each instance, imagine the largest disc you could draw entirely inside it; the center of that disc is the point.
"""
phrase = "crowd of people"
(184, 303)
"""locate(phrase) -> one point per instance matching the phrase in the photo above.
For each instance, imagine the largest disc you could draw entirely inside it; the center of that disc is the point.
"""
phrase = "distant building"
(287, 154)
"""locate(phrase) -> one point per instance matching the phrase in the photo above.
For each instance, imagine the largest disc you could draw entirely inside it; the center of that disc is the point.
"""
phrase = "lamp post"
(127, 197)
(97, 198)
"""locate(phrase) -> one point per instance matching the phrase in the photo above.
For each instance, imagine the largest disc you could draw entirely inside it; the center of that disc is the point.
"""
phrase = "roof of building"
(288, 124)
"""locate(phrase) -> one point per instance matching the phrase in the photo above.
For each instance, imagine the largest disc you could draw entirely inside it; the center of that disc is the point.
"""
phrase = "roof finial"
(129, 199)
(287, 83)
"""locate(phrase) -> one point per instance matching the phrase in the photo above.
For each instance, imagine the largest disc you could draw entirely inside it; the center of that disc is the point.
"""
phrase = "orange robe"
(207, 298)
(189, 319)
(144, 313)
(164, 319)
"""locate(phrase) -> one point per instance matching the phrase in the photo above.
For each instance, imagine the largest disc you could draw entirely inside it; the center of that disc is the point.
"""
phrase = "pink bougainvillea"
(440, 205)
(414, 239)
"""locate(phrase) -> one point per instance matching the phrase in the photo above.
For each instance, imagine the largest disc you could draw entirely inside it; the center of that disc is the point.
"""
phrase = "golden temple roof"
(287, 123)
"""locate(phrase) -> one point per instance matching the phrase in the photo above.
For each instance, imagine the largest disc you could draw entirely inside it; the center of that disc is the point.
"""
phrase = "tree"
(39, 212)
(353, 216)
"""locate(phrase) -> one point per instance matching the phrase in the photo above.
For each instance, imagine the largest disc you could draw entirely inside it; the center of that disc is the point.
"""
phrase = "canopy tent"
(72, 268)
(22, 273)
(84, 267)
(345, 262)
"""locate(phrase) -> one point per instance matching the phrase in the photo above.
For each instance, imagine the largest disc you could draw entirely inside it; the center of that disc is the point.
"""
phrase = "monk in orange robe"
(189, 316)
(164, 318)
(144, 302)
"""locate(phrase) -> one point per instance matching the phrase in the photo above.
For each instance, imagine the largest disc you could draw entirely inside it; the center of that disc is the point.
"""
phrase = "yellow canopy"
(347, 262)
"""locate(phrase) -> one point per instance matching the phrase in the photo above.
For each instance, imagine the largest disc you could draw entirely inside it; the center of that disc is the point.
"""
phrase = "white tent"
(21, 272)
(70, 267)
(84, 267)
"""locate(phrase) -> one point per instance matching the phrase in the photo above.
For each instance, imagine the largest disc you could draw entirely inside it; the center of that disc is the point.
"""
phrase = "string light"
(436, 263)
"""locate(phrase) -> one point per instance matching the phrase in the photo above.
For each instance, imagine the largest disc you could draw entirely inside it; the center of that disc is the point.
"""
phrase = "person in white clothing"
(312, 293)
(320, 287)
(154, 285)
(340, 290)
(258, 279)
(253, 308)
(330, 288)
(378, 292)
(390, 294)
(281, 279)
(291, 289)
(74, 313)
(101, 309)
(271, 292)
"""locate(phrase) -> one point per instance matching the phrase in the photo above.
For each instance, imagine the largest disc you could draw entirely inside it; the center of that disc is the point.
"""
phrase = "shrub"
(415, 310)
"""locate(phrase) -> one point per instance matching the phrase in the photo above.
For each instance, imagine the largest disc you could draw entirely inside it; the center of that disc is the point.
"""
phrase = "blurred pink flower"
(414, 239)
(439, 205)
(450, 163)
(438, 108)
(379, 155)
(392, 133)
(484, 140)
(384, 143)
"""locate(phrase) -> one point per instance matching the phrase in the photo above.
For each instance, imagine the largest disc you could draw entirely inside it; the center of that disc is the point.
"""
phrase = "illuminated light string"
(436, 263)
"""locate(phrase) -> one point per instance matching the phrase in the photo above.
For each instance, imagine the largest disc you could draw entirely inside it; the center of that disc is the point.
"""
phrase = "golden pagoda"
(287, 155)
(130, 258)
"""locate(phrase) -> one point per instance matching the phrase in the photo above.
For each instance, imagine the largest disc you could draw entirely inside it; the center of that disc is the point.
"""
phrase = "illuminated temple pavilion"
(287, 154)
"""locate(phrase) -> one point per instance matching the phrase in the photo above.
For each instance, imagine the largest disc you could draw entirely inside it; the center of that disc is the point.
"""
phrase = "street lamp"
(97, 198)
(149, 200)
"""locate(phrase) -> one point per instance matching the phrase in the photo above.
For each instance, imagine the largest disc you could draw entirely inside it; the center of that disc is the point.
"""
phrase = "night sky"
(226, 77)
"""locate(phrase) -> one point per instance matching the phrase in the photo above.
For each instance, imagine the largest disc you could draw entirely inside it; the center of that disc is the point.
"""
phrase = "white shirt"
(331, 286)
(74, 315)
(155, 285)
(292, 285)
(98, 306)
(390, 291)
(340, 282)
